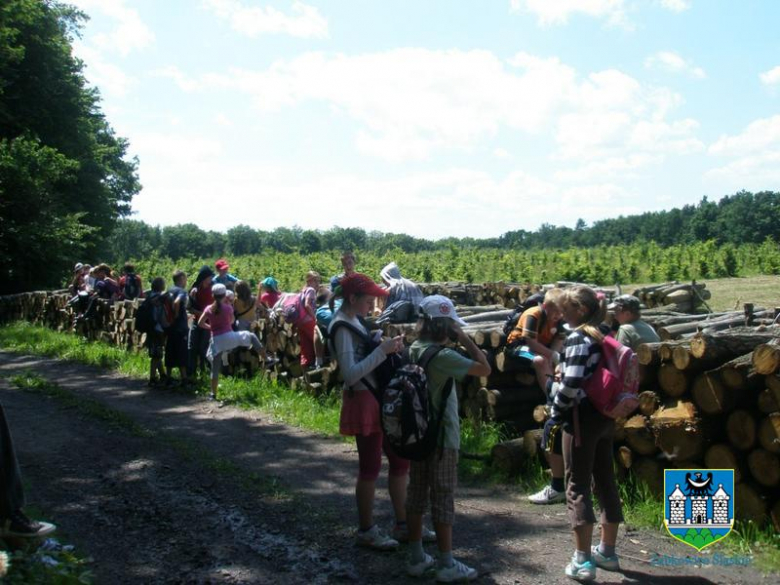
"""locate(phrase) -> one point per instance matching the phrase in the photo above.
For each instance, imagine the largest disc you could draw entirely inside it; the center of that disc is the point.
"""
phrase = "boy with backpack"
(437, 473)
(130, 283)
(151, 319)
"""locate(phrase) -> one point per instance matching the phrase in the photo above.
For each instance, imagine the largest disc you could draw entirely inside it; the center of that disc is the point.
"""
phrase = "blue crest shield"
(699, 505)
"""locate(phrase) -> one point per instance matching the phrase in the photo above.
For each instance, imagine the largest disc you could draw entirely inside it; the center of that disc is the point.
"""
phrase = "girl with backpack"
(358, 361)
(437, 474)
(218, 318)
(587, 436)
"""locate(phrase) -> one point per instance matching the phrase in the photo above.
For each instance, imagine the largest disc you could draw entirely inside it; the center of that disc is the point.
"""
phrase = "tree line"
(743, 218)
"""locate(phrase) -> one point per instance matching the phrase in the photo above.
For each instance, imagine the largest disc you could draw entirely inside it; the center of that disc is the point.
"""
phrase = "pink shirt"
(269, 298)
(222, 323)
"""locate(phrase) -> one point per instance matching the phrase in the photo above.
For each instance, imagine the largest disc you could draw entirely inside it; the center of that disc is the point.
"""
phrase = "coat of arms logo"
(699, 505)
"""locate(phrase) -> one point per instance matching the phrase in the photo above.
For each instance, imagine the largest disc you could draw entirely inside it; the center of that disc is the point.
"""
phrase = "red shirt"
(203, 298)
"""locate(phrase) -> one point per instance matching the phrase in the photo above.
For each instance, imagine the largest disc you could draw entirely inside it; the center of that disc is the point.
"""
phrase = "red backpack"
(612, 388)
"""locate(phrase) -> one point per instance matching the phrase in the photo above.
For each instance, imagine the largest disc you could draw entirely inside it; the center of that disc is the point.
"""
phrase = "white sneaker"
(376, 539)
(458, 572)
(401, 534)
(604, 562)
(419, 569)
(547, 495)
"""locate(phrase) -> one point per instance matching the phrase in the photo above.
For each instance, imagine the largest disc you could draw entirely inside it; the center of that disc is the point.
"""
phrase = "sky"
(436, 118)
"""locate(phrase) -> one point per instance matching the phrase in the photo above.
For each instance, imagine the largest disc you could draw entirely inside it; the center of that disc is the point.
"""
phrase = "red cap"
(360, 284)
(222, 264)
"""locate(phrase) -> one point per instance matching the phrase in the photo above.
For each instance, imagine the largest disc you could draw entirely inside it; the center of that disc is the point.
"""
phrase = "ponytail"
(215, 308)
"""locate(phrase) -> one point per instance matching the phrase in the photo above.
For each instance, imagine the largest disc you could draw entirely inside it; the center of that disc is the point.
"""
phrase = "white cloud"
(676, 5)
(109, 78)
(671, 61)
(130, 32)
(754, 156)
(413, 103)
(501, 153)
(305, 21)
(550, 12)
(183, 81)
(771, 77)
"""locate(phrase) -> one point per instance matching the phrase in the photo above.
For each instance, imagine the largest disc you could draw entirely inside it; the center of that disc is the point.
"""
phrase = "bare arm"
(481, 367)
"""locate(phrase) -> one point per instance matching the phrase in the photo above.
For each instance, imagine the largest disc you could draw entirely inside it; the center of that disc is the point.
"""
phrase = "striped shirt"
(581, 355)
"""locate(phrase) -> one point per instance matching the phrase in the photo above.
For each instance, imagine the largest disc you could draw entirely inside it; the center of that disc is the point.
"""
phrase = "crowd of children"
(560, 339)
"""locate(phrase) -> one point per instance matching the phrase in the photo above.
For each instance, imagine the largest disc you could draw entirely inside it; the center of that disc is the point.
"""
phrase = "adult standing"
(633, 332)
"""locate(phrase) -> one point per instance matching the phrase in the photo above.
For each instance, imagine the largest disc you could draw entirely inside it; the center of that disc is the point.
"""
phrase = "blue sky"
(436, 118)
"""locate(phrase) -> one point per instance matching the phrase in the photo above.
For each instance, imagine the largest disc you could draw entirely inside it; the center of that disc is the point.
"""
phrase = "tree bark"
(741, 430)
(764, 467)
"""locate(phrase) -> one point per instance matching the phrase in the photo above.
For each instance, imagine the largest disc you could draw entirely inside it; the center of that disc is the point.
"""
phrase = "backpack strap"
(431, 352)
(364, 337)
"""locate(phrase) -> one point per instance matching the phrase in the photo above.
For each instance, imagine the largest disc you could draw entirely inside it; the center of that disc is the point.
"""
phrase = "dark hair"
(243, 292)
(339, 294)
(323, 294)
(178, 275)
(158, 284)
(434, 328)
(128, 268)
(594, 309)
(216, 306)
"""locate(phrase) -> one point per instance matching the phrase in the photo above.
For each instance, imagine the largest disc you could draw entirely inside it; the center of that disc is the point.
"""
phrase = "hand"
(555, 357)
(392, 345)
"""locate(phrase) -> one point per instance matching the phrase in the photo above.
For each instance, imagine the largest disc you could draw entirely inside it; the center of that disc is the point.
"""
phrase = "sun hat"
(440, 306)
(219, 290)
(222, 264)
(361, 284)
(270, 282)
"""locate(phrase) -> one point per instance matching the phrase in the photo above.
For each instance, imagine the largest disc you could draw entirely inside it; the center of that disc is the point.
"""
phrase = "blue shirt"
(226, 280)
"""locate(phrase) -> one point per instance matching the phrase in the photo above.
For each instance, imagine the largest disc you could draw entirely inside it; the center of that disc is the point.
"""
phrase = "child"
(218, 318)
(308, 320)
(269, 293)
(324, 316)
(437, 474)
(176, 338)
(155, 339)
(360, 410)
(200, 297)
(587, 437)
(244, 306)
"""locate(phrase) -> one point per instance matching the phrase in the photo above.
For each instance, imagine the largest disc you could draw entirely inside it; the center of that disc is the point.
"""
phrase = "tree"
(58, 150)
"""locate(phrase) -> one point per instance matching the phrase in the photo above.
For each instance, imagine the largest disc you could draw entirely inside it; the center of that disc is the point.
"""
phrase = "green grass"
(26, 566)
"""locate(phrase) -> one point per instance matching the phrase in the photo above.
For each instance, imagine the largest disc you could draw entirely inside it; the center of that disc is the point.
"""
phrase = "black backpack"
(132, 288)
(534, 300)
(406, 412)
(144, 316)
(385, 371)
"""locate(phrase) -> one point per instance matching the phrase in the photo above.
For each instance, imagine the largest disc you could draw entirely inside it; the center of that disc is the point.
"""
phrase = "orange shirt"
(534, 324)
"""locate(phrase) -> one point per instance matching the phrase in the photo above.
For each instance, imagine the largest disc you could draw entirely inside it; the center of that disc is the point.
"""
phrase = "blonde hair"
(593, 309)
(554, 296)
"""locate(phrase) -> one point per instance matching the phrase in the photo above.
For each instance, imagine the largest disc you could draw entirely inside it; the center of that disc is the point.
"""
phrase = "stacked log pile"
(681, 298)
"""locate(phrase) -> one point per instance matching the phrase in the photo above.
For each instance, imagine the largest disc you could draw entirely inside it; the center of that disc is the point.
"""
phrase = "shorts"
(154, 343)
(176, 349)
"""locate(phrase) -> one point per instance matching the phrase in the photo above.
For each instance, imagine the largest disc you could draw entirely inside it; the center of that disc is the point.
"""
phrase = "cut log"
(723, 456)
(672, 381)
(638, 436)
(625, 457)
(741, 430)
(766, 357)
(532, 442)
(769, 433)
(677, 429)
(508, 456)
(772, 382)
(739, 374)
(541, 413)
(749, 505)
(647, 353)
(711, 395)
(768, 402)
(648, 402)
(764, 467)
(716, 348)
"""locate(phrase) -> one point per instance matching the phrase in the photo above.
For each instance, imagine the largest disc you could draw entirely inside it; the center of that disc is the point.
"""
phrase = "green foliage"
(604, 265)
(699, 539)
(64, 180)
(58, 567)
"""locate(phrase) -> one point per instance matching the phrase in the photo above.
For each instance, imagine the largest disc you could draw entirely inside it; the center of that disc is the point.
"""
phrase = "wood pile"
(681, 298)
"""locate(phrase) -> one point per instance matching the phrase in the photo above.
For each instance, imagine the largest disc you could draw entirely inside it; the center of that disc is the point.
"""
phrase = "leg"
(396, 481)
(370, 462)
(319, 347)
(11, 492)
(216, 364)
(306, 337)
(543, 369)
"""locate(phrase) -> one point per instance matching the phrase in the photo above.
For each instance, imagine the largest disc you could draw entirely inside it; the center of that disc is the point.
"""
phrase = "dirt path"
(176, 490)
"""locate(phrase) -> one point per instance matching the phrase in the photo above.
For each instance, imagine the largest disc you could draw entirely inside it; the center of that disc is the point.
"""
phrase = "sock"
(364, 530)
(318, 363)
(445, 559)
(557, 484)
(416, 552)
(581, 556)
(606, 550)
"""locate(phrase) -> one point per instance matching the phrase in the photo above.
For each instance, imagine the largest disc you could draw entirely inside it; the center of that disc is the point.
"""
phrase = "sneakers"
(547, 495)
(604, 562)
(376, 539)
(457, 573)
(419, 569)
(401, 534)
(581, 571)
(20, 525)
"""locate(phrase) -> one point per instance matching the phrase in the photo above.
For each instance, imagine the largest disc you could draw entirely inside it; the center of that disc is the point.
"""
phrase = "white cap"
(440, 306)
(78, 267)
(218, 290)
(230, 295)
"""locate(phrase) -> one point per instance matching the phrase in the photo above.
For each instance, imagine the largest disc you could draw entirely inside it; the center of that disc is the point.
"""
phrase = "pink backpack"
(612, 388)
(292, 308)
